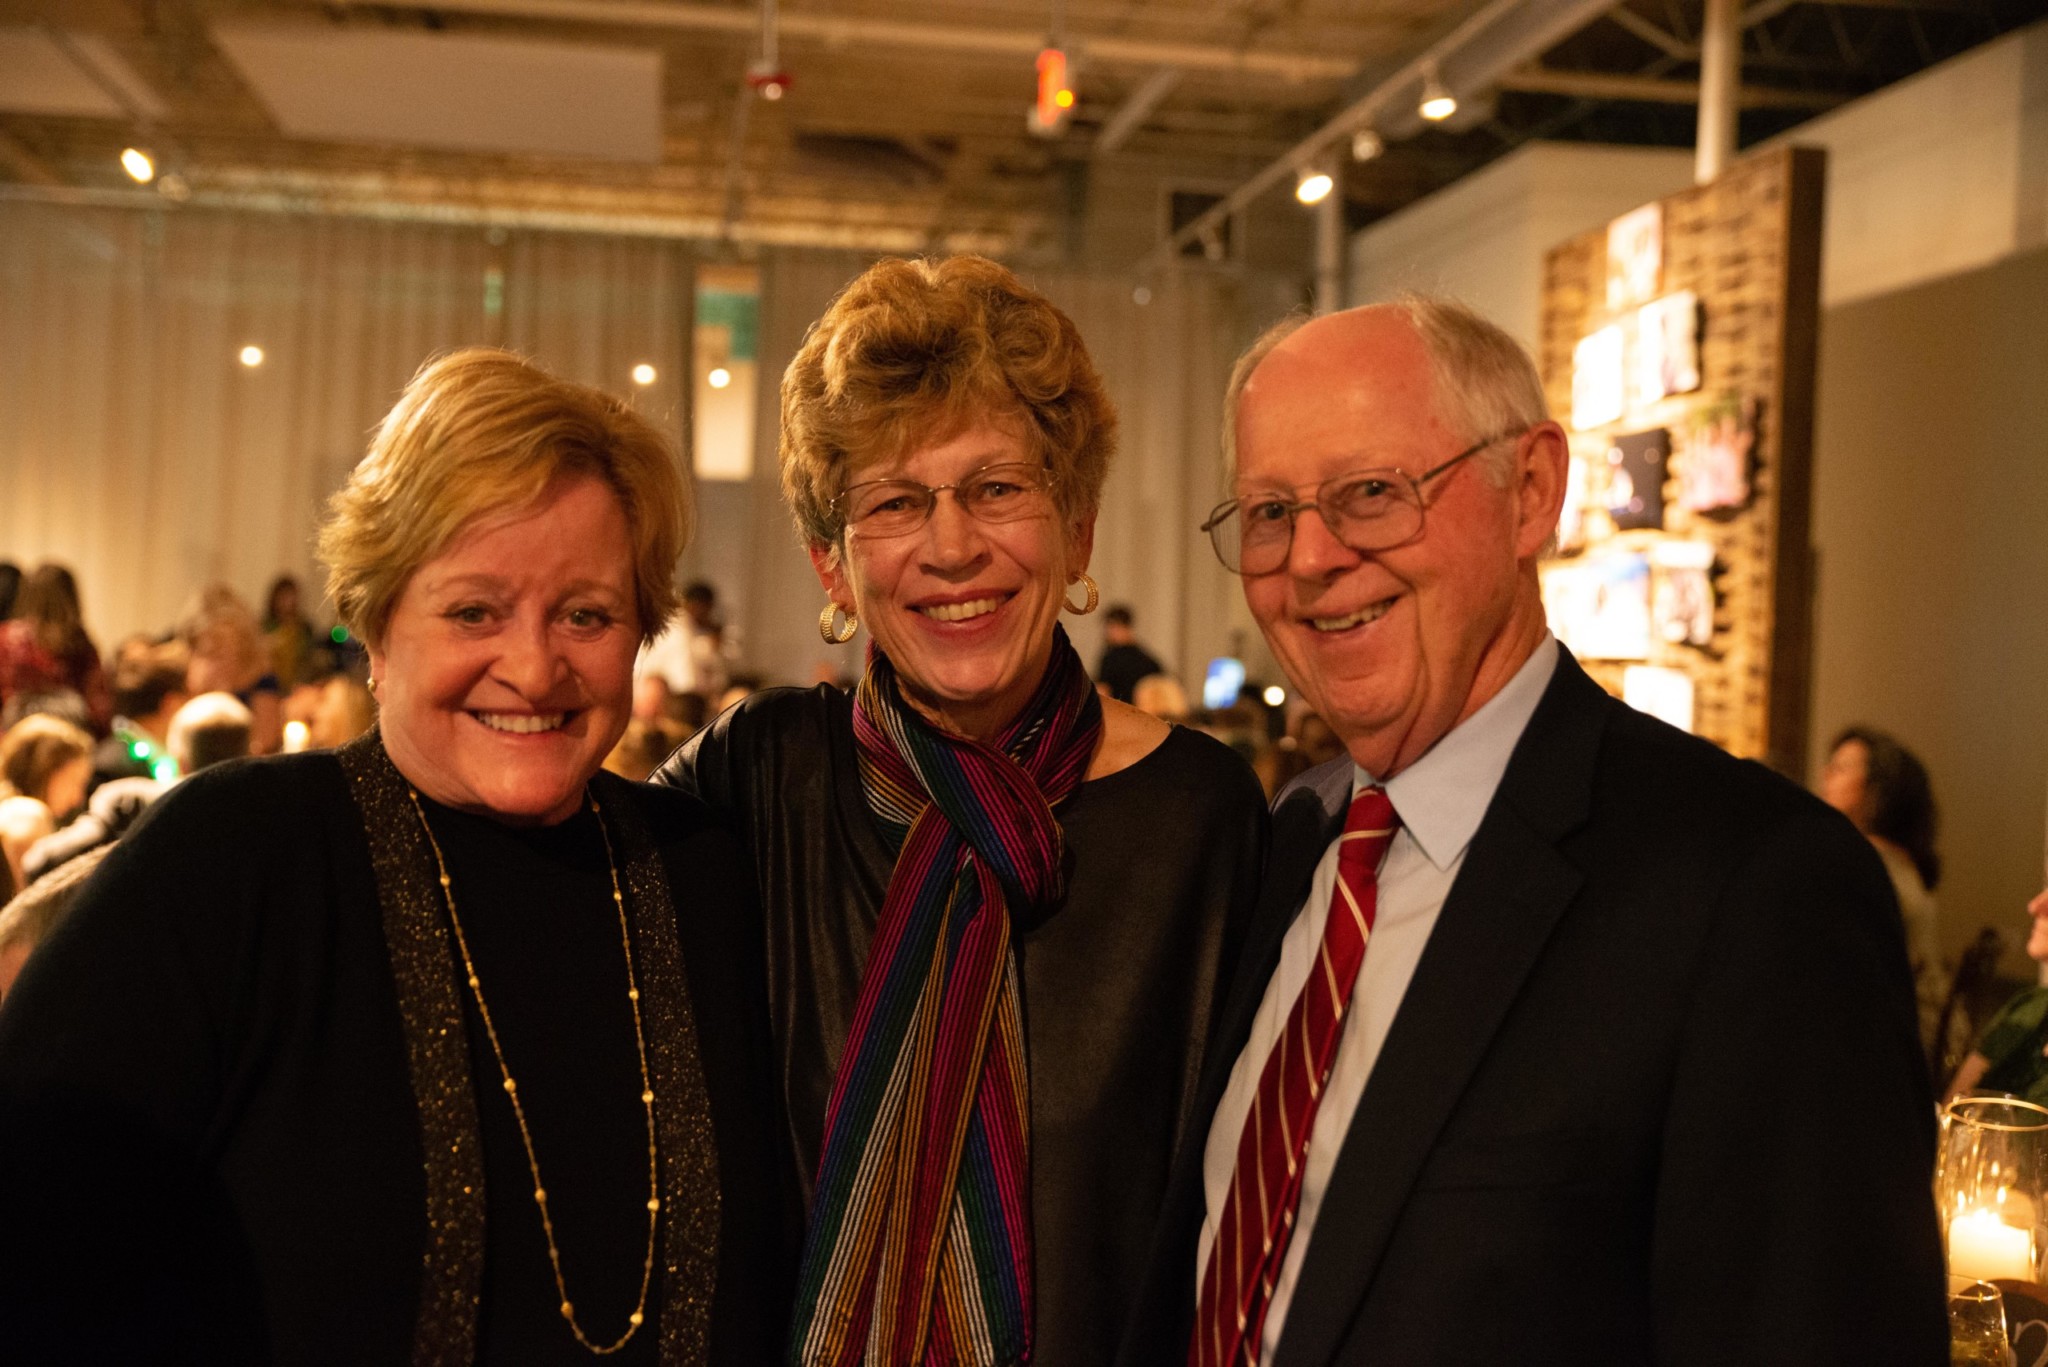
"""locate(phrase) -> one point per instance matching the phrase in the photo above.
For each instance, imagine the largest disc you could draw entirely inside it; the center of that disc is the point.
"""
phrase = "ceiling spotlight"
(1314, 187)
(768, 79)
(1438, 103)
(719, 377)
(643, 374)
(138, 165)
(1366, 144)
(1274, 695)
(252, 356)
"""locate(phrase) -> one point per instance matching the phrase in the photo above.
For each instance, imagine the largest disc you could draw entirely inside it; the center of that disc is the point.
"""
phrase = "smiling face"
(964, 609)
(505, 673)
(1392, 648)
(1845, 782)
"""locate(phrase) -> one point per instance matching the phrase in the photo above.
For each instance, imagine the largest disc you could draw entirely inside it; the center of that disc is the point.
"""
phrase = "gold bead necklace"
(540, 1191)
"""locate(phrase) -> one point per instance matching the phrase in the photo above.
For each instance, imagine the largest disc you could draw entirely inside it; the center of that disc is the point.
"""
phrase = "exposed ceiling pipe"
(1601, 85)
(1130, 116)
(1490, 42)
(834, 30)
(362, 198)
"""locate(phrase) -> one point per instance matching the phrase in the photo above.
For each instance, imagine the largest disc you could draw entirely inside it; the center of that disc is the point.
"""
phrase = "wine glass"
(1976, 1325)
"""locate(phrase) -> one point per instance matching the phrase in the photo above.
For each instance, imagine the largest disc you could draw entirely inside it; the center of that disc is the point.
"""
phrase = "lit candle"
(1981, 1245)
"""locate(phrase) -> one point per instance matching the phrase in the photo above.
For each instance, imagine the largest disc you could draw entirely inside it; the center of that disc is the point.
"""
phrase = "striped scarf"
(920, 1241)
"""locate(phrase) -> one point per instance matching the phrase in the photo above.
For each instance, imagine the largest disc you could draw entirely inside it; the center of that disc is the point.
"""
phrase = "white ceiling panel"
(468, 94)
(38, 77)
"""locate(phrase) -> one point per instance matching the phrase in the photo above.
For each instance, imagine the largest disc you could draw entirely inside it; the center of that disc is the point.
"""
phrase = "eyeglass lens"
(999, 493)
(1368, 510)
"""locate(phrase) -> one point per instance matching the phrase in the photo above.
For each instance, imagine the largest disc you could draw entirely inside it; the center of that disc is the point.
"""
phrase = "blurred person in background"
(44, 646)
(229, 656)
(1883, 788)
(1161, 696)
(208, 730)
(48, 759)
(1124, 662)
(113, 808)
(10, 584)
(45, 763)
(289, 634)
(61, 703)
(149, 688)
(265, 1073)
(697, 652)
(28, 918)
(979, 874)
(345, 709)
(2012, 1054)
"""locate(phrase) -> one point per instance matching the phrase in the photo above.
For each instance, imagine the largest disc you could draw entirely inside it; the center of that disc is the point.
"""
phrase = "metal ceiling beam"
(1668, 43)
(17, 157)
(842, 31)
(1492, 41)
(1600, 85)
(1130, 116)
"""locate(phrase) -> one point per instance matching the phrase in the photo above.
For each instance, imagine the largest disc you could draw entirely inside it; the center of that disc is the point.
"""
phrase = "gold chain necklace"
(540, 1191)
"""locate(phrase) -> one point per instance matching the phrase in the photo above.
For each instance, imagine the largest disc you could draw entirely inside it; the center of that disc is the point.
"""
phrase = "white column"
(1330, 242)
(1720, 79)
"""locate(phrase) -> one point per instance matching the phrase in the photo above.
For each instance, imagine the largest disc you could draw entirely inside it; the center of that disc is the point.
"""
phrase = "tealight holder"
(1991, 1186)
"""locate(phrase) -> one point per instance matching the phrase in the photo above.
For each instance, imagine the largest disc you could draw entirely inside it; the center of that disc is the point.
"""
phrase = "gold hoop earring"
(1094, 592)
(827, 628)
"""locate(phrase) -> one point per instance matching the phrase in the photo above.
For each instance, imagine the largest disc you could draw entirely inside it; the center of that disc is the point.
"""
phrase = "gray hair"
(210, 728)
(1486, 384)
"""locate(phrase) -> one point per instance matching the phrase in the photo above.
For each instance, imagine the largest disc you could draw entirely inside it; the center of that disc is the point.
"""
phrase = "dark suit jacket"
(1654, 1094)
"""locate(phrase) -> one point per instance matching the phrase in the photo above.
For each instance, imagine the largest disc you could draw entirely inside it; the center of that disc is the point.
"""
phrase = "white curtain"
(137, 448)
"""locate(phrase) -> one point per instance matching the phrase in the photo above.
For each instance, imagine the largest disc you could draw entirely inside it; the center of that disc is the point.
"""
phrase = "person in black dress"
(444, 1047)
(1001, 909)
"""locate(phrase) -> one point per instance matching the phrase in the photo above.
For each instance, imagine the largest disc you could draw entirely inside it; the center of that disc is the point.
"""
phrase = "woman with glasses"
(1002, 908)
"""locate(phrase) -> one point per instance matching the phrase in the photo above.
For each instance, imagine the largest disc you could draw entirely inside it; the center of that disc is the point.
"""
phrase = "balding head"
(1409, 525)
(1484, 382)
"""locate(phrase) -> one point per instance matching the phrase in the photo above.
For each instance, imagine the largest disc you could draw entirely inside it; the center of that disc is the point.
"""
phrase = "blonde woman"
(442, 1047)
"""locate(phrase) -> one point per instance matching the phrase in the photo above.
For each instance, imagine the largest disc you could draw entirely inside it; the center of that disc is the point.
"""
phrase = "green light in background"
(339, 634)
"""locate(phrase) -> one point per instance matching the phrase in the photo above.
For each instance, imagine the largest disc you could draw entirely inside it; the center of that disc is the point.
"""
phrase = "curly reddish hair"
(918, 351)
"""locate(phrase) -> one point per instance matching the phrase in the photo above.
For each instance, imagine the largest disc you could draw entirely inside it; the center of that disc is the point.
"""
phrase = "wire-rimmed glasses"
(1366, 510)
(1003, 492)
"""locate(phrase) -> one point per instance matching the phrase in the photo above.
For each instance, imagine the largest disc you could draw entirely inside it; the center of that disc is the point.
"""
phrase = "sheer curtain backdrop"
(137, 448)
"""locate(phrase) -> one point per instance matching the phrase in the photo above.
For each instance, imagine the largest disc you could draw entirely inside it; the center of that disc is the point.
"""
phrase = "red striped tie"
(1265, 1184)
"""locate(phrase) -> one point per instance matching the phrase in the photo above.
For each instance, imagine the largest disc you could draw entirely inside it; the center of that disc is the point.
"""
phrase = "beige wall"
(1931, 522)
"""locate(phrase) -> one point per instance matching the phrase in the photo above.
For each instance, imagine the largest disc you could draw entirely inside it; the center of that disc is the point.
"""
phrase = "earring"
(1094, 597)
(827, 628)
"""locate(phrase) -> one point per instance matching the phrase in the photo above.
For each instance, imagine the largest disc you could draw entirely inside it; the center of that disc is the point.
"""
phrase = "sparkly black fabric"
(208, 1070)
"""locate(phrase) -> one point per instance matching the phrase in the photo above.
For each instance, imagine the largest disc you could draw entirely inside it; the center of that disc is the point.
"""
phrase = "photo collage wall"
(1678, 349)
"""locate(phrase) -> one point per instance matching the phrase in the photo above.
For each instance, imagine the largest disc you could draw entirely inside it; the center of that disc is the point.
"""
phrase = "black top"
(206, 1072)
(1122, 981)
(1121, 668)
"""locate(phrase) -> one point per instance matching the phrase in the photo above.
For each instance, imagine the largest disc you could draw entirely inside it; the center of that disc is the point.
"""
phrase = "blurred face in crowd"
(1394, 647)
(65, 792)
(2037, 939)
(964, 607)
(1845, 781)
(505, 674)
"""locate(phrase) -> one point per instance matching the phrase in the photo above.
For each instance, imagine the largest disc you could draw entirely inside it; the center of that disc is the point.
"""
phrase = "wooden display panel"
(1748, 245)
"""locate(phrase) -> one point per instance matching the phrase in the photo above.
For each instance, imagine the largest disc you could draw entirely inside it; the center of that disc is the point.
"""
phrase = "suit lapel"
(1500, 912)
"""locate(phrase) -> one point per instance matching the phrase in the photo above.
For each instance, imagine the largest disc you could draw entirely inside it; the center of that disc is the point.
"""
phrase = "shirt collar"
(1442, 796)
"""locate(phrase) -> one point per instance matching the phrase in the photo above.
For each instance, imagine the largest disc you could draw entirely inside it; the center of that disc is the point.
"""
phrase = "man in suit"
(1562, 1037)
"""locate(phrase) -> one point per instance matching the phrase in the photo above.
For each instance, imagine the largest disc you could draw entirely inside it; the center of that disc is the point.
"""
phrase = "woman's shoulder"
(757, 738)
(255, 793)
(1188, 773)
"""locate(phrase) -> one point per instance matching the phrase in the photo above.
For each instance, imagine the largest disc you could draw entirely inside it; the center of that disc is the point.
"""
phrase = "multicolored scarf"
(920, 1240)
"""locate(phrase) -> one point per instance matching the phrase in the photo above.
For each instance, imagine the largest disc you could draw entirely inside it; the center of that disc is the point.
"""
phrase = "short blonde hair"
(481, 431)
(917, 351)
(1486, 385)
(34, 749)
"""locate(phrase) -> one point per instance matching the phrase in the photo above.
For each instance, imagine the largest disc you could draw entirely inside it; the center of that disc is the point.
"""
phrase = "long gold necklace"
(540, 1191)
